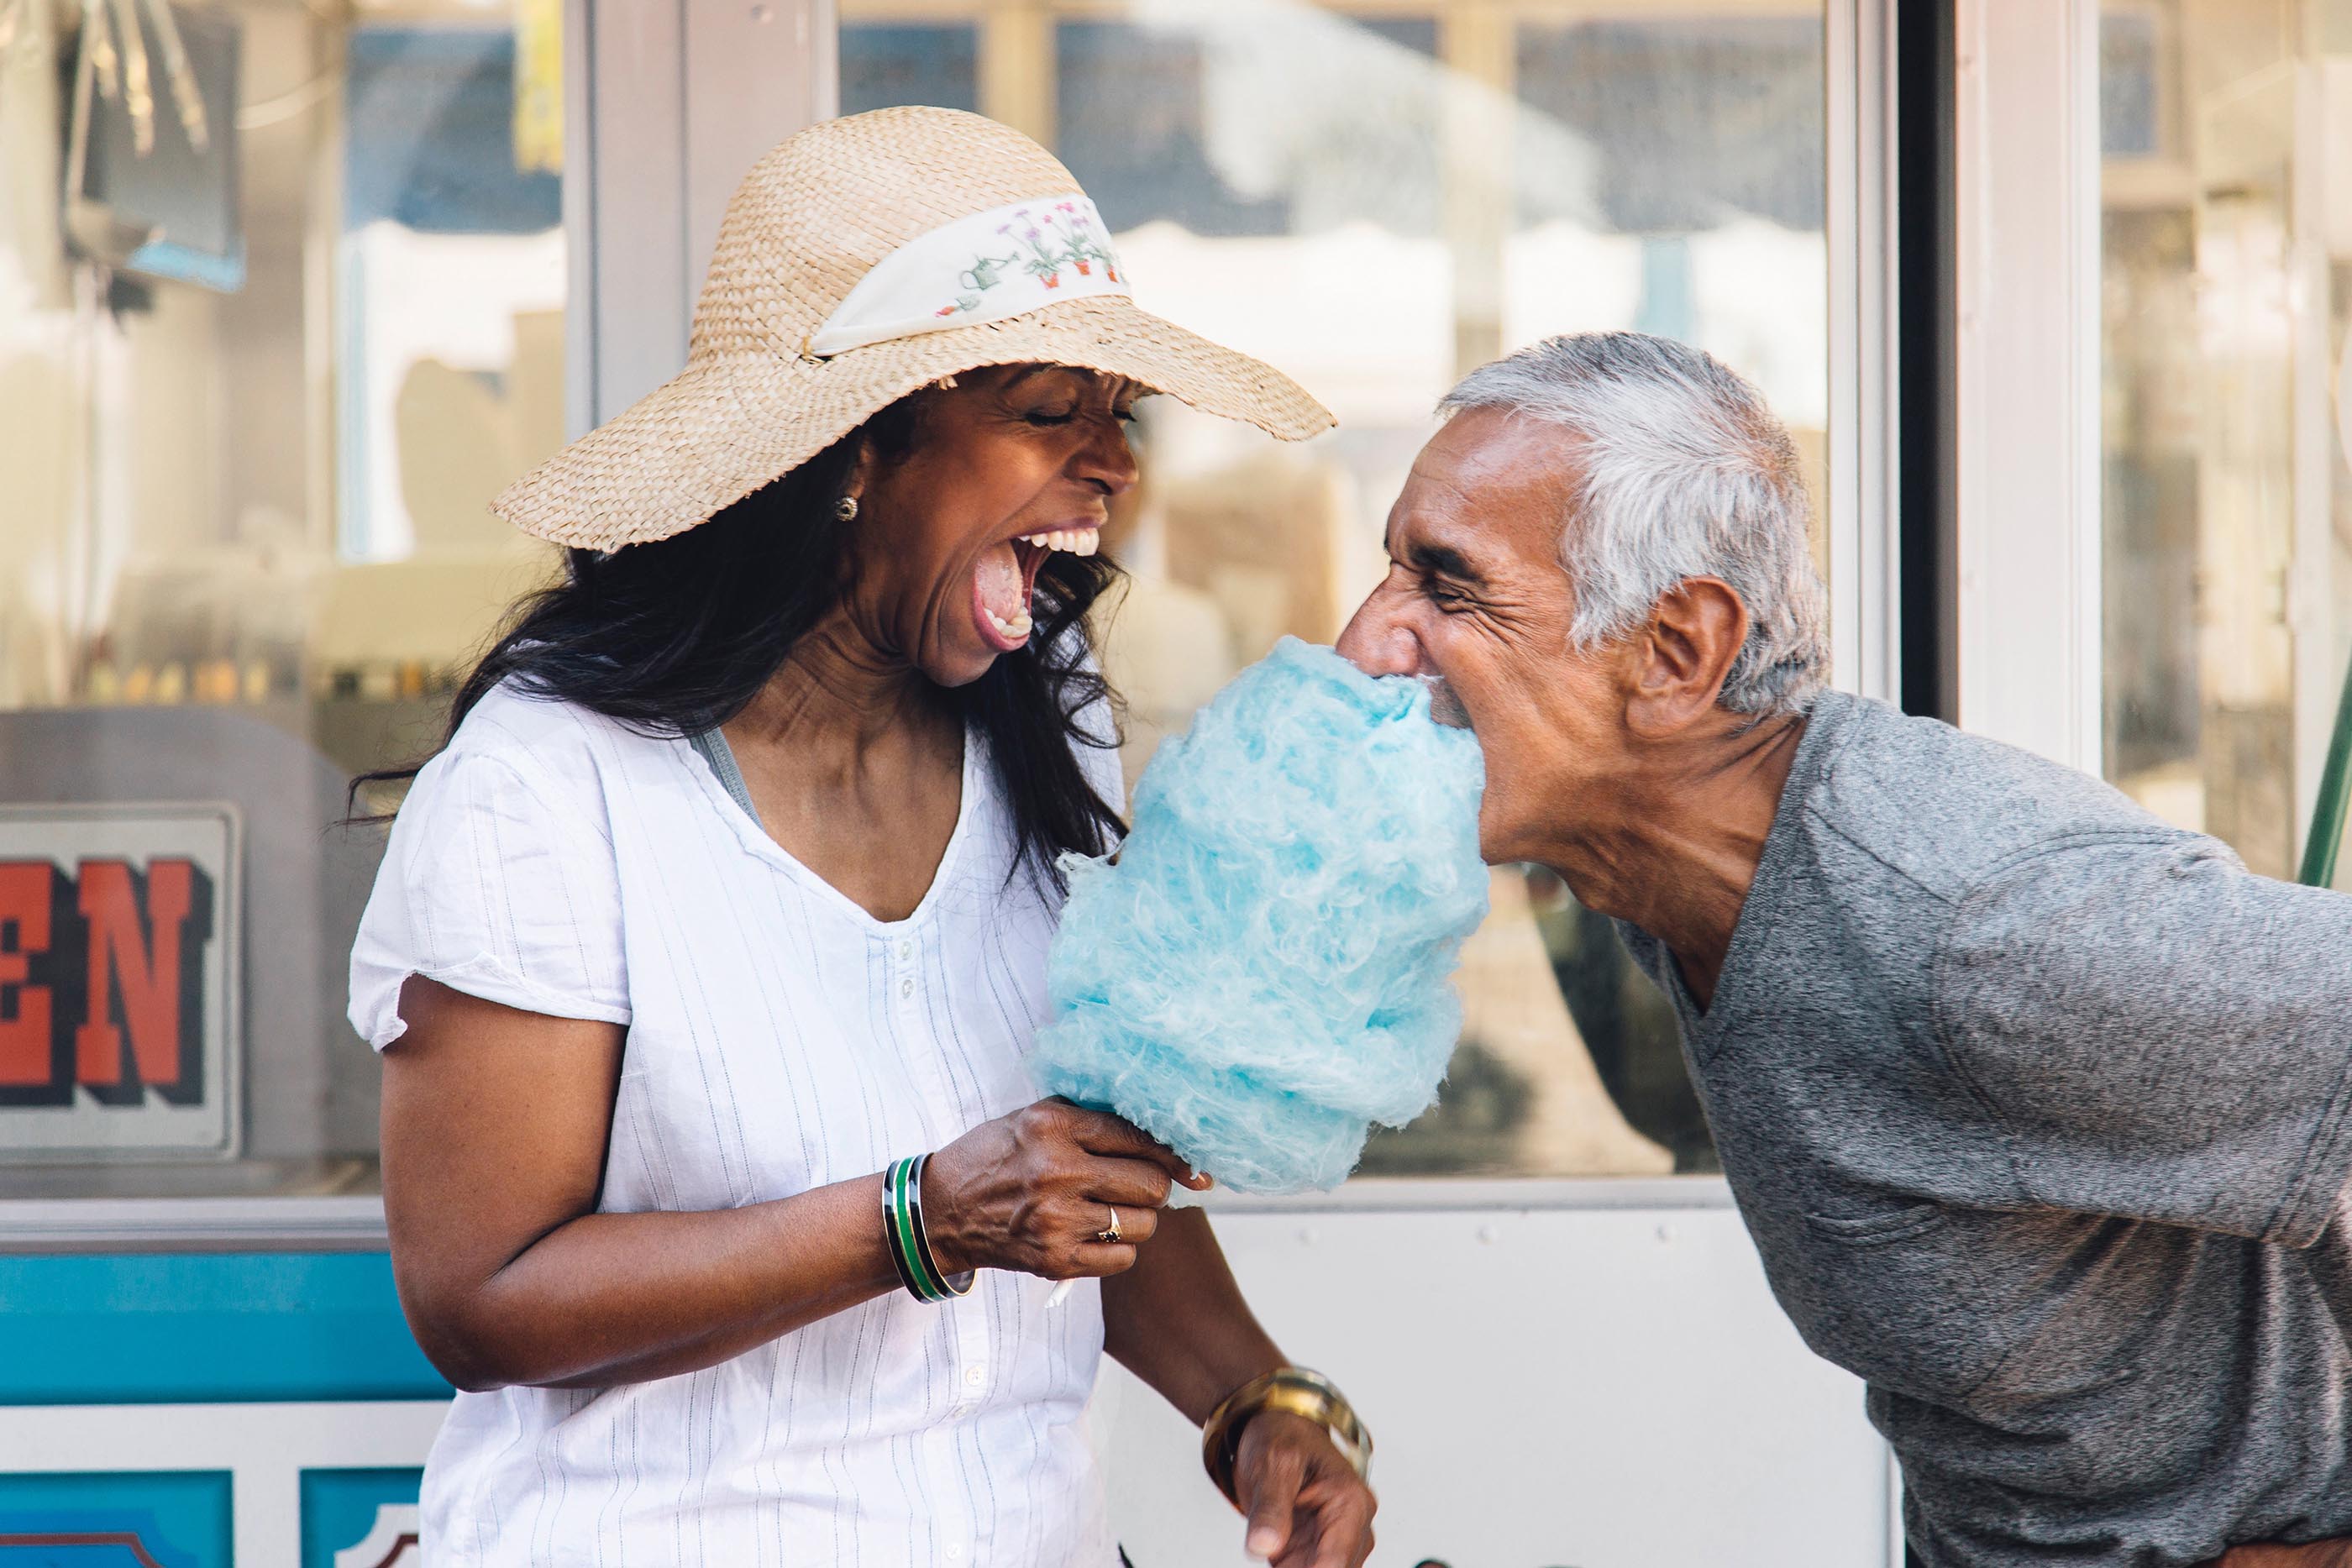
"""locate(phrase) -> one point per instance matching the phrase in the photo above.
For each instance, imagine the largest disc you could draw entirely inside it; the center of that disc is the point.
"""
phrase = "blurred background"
(300, 312)
(2054, 294)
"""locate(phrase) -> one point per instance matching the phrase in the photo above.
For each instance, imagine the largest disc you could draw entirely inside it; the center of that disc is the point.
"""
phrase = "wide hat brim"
(733, 423)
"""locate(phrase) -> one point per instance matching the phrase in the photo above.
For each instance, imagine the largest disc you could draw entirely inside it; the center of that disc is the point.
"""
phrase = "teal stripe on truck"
(201, 1328)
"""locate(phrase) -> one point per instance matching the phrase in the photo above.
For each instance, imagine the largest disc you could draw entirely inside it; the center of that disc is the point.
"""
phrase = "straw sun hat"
(861, 259)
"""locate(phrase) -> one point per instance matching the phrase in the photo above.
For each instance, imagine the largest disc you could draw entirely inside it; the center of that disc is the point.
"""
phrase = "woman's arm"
(1177, 1318)
(496, 1124)
(1177, 1321)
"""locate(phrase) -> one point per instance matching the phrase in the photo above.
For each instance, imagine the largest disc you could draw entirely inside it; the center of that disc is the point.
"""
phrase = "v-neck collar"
(1706, 1029)
(714, 766)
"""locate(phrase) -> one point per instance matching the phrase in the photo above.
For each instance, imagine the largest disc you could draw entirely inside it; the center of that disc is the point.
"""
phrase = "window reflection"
(1376, 201)
(2227, 275)
(259, 379)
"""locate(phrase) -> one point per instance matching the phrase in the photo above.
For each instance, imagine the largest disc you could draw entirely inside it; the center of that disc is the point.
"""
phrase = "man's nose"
(1377, 642)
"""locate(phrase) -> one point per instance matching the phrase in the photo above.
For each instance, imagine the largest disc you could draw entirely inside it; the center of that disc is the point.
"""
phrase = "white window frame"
(1865, 385)
(666, 104)
(2026, 157)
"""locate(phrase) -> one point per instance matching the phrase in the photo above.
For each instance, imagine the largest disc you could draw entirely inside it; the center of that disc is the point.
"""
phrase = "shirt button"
(955, 1552)
(905, 949)
(973, 1374)
(906, 986)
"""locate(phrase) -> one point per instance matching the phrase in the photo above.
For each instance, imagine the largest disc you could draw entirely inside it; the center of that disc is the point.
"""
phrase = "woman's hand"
(1031, 1191)
(1307, 1507)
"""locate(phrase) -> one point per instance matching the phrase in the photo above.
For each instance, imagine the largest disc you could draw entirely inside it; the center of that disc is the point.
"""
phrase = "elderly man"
(2040, 1111)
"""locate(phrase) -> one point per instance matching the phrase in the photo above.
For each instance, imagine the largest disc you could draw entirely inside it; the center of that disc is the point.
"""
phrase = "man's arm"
(2168, 1035)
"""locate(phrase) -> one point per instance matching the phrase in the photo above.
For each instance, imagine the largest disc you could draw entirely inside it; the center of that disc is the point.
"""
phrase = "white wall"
(1547, 1387)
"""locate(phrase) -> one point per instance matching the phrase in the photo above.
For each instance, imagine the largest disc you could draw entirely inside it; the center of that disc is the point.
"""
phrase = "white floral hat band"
(989, 266)
(971, 245)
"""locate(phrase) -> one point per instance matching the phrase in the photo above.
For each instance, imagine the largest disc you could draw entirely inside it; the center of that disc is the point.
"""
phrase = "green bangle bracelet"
(891, 1240)
(910, 1248)
(953, 1284)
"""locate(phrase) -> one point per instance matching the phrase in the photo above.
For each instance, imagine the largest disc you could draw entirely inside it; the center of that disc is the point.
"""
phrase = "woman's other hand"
(1307, 1507)
(1033, 1190)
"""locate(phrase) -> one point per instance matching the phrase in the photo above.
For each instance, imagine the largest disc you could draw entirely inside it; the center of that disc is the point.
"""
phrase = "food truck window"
(1377, 198)
(298, 315)
(2226, 411)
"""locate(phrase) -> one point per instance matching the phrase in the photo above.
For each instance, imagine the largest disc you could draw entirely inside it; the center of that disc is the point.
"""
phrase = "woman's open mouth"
(1006, 577)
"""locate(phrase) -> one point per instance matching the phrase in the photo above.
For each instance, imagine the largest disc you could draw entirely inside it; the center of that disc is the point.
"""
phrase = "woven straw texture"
(808, 222)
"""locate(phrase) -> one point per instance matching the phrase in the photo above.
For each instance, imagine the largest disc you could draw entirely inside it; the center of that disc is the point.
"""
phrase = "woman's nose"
(1106, 460)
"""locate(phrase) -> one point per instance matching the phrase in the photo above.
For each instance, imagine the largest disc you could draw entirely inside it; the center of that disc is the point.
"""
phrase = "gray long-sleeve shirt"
(2039, 1112)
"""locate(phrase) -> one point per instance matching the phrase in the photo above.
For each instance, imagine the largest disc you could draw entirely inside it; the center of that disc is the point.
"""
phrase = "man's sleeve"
(2161, 1034)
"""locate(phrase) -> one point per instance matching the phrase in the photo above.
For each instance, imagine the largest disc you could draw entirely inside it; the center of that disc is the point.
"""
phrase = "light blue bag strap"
(722, 758)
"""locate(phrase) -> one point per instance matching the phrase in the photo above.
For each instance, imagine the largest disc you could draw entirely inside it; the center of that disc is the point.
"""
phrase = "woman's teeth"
(1074, 541)
(1011, 630)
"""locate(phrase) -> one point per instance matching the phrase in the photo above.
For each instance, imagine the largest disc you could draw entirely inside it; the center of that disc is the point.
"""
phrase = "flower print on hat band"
(991, 265)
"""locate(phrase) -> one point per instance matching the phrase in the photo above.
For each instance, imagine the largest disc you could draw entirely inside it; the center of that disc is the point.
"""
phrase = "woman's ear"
(862, 471)
(1682, 659)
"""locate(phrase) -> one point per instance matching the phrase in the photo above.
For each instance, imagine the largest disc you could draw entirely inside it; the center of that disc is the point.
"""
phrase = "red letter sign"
(148, 972)
(25, 890)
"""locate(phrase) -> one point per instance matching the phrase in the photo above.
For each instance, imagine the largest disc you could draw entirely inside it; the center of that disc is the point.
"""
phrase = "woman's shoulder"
(514, 723)
(501, 877)
(556, 750)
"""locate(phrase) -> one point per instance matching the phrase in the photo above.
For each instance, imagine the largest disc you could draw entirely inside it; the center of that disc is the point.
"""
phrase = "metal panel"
(1865, 394)
(356, 1223)
(266, 1448)
(2027, 141)
(191, 1225)
(167, 1327)
(668, 103)
(754, 77)
(1609, 1389)
(1613, 1388)
(631, 149)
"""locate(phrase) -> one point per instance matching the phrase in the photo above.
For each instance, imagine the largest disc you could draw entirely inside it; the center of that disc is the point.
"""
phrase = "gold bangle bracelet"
(1301, 1393)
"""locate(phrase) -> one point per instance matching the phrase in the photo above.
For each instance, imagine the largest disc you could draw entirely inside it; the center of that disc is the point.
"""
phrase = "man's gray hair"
(1681, 471)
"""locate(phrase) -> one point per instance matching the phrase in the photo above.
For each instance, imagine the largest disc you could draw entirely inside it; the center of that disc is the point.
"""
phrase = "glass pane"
(298, 315)
(2228, 514)
(934, 63)
(1377, 203)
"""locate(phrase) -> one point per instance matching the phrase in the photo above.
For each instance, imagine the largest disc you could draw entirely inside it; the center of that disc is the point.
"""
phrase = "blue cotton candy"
(1265, 971)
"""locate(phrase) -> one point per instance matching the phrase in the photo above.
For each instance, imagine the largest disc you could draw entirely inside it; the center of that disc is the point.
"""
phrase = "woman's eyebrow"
(1026, 372)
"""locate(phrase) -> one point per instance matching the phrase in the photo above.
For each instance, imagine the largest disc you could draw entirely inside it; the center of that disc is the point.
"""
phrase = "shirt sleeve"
(494, 888)
(2161, 1034)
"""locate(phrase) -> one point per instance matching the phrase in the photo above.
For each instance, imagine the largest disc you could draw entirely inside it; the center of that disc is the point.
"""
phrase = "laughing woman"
(705, 954)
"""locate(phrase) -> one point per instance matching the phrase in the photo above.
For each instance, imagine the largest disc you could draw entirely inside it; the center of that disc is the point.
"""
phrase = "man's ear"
(1681, 658)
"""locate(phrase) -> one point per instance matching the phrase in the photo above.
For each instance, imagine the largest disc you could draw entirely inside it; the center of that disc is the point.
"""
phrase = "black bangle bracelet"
(893, 1240)
(902, 1230)
(953, 1284)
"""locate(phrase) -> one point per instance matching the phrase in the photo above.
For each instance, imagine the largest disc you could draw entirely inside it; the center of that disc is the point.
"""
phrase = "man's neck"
(1679, 853)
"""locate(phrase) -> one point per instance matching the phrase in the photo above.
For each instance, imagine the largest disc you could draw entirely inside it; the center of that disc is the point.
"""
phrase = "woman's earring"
(846, 509)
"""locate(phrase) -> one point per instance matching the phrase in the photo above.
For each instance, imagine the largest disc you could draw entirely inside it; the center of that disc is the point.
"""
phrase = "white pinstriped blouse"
(778, 1038)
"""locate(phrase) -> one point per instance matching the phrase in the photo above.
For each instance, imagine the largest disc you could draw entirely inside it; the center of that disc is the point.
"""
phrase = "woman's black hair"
(677, 636)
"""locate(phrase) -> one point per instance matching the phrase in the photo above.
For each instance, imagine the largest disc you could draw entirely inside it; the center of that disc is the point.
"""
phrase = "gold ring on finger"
(1111, 1233)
